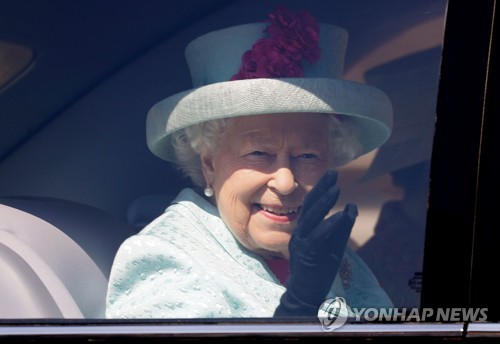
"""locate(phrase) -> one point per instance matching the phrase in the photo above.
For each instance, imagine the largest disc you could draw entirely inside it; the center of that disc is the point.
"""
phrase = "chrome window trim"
(483, 330)
(196, 330)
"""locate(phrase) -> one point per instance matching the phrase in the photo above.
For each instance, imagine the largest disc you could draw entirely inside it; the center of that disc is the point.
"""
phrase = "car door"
(110, 173)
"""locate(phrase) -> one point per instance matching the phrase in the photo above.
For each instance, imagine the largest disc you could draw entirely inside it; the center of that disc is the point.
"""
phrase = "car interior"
(77, 79)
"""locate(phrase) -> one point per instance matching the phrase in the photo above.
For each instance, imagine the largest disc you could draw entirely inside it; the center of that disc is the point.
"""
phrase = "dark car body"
(73, 148)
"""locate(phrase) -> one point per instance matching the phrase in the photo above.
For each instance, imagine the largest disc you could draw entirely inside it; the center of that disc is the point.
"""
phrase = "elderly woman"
(260, 135)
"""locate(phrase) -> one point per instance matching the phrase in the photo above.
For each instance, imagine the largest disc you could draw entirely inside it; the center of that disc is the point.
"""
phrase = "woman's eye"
(308, 156)
(257, 153)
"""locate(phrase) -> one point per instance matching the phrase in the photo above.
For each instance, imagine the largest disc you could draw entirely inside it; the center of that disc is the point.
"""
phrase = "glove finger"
(341, 224)
(351, 211)
(329, 179)
(328, 239)
(317, 211)
(332, 235)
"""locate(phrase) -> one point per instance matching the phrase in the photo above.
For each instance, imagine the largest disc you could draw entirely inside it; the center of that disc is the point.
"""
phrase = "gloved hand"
(316, 249)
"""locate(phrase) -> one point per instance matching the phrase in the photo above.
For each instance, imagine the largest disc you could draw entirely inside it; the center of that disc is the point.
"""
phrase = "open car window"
(77, 178)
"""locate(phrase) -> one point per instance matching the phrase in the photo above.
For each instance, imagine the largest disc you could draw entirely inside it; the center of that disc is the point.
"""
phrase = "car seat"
(146, 208)
(55, 258)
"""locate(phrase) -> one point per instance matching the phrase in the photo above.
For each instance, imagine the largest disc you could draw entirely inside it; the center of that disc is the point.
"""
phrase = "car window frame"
(459, 284)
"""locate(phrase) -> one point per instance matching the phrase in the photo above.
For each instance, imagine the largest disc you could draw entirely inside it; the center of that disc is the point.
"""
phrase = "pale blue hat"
(215, 57)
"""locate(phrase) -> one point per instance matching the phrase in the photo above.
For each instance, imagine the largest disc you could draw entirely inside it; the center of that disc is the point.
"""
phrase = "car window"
(74, 161)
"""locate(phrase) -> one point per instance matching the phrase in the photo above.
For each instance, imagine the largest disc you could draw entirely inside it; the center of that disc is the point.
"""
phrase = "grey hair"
(202, 138)
(191, 142)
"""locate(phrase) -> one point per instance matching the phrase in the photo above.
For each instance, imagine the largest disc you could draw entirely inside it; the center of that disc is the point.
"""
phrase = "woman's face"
(261, 172)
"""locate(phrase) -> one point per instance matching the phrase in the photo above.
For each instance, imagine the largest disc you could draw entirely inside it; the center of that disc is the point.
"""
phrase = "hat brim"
(367, 108)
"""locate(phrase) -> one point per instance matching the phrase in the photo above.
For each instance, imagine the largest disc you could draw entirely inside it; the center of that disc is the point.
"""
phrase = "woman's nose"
(283, 181)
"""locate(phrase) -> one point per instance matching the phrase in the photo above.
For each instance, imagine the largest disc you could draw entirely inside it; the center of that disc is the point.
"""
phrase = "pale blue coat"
(187, 264)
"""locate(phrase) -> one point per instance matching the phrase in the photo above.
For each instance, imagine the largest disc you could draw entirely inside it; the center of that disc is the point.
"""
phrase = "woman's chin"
(275, 245)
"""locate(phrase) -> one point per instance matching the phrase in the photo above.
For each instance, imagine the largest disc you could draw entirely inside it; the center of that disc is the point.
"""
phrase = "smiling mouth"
(279, 211)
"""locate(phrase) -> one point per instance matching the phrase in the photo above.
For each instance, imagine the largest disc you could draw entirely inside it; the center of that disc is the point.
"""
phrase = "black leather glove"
(316, 249)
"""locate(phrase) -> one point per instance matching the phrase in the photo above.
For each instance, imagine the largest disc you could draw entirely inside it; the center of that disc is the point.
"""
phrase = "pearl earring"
(208, 191)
